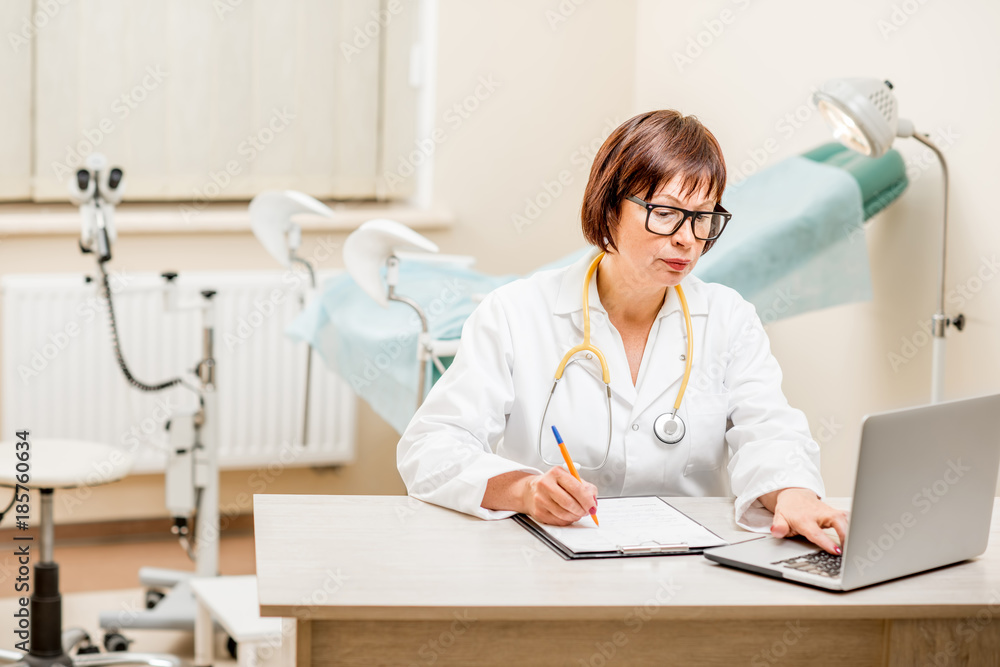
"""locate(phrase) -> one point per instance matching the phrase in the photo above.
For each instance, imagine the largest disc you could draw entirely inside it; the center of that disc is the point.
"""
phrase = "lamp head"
(369, 247)
(271, 220)
(863, 114)
(111, 184)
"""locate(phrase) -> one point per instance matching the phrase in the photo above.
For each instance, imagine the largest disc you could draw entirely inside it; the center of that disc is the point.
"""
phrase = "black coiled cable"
(132, 380)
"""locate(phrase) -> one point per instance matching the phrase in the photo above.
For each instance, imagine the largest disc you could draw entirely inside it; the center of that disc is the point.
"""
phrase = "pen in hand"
(572, 468)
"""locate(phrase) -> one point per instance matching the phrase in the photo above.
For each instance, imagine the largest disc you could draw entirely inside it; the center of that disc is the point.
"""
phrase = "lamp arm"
(940, 320)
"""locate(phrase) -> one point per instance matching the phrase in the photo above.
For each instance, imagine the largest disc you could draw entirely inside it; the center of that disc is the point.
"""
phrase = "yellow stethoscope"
(669, 427)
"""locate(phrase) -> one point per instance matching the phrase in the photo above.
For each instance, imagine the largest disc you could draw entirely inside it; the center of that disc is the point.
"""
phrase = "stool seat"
(64, 464)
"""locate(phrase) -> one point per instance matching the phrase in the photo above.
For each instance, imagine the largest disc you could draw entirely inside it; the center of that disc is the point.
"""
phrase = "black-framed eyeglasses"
(666, 220)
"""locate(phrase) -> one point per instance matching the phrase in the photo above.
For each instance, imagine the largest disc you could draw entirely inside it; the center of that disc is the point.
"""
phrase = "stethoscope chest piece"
(669, 428)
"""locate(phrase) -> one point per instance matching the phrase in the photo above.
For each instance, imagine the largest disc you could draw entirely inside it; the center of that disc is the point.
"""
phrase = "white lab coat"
(482, 417)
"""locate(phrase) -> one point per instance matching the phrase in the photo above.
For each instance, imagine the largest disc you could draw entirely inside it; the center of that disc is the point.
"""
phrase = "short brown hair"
(642, 154)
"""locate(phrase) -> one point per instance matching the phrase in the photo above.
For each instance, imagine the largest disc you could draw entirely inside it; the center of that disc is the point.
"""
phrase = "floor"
(96, 577)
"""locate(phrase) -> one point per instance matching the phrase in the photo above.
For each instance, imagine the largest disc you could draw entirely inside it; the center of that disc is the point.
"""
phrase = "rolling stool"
(62, 464)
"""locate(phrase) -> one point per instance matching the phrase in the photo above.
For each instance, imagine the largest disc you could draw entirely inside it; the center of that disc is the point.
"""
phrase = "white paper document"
(633, 523)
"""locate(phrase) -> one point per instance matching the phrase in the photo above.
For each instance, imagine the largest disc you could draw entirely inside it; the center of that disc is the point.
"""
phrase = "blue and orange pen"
(572, 468)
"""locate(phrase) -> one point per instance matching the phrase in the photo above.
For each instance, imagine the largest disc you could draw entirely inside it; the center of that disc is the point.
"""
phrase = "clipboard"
(694, 537)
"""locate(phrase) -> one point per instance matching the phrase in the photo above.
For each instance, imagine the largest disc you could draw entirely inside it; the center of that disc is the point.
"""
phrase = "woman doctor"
(481, 443)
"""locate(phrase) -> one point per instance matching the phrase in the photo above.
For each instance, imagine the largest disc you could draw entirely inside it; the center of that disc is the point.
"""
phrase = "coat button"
(683, 357)
(635, 427)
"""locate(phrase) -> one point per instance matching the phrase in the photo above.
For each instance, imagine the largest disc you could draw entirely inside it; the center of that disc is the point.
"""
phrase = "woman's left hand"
(801, 512)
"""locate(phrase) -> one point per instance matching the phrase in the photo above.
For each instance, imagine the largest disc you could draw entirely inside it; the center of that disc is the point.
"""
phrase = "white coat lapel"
(602, 337)
(569, 304)
(663, 371)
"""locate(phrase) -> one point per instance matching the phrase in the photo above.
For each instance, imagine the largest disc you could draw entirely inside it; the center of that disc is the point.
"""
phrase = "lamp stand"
(940, 320)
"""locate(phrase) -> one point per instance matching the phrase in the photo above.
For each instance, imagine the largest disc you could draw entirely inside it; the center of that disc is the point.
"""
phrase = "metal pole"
(207, 564)
(421, 343)
(47, 525)
(940, 320)
(309, 353)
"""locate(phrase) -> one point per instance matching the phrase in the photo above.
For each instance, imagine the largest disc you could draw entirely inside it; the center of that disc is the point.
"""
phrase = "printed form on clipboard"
(643, 526)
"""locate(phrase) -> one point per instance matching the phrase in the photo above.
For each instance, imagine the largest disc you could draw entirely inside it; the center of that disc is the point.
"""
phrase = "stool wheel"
(114, 641)
(90, 648)
(153, 598)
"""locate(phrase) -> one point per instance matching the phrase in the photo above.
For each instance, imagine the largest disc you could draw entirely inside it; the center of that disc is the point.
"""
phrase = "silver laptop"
(923, 498)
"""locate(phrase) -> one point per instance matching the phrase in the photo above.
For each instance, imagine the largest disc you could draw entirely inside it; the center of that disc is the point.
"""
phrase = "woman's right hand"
(557, 498)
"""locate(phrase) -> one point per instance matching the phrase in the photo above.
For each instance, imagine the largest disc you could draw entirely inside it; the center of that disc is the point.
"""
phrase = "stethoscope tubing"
(587, 346)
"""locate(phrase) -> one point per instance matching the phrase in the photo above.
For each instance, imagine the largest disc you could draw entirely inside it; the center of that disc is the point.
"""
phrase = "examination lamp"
(864, 117)
(97, 189)
(271, 221)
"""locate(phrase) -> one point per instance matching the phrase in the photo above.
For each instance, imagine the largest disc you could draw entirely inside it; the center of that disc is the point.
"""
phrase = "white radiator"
(61, 379)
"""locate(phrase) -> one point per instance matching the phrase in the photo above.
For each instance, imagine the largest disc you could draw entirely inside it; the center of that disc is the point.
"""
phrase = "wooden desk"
(393, 581)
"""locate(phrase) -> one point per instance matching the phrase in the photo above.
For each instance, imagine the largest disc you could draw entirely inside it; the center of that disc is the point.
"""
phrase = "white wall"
(760, 67)
(565, 81)
(556, 88)
(561, 84)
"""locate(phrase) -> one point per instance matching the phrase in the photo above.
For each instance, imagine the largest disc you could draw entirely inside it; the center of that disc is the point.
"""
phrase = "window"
(202, 100)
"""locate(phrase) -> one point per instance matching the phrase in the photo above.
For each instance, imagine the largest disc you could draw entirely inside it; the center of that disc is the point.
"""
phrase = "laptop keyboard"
(819, 562)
